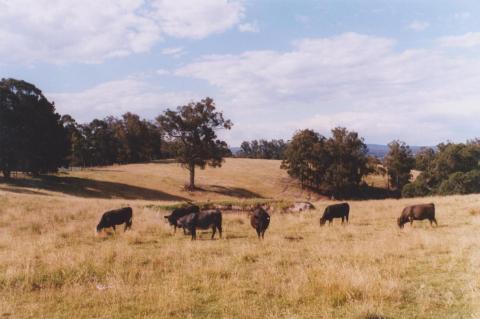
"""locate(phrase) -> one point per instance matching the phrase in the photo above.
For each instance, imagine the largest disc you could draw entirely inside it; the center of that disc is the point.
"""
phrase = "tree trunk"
(191, 169)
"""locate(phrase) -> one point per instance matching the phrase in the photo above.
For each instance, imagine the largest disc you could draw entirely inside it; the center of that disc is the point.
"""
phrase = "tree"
(302, 157)
(349, 162)
(335, 165)
(273, 149)
(399, 163)
(34, 139)
(450, 169)
(191, 130)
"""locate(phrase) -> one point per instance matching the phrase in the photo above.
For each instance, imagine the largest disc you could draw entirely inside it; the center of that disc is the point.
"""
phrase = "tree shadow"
(90, 188)
(229, 191)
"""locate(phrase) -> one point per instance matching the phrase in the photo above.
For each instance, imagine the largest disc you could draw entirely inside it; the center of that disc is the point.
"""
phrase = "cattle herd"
(191, 218)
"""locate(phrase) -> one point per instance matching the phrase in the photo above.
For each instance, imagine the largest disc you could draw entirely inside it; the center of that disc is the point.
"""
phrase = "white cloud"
(176, 52)
(91, 31)
(468, 40)
(351, 79)
(118, 97)
(418, 25)
(248, 27)
(197, 19)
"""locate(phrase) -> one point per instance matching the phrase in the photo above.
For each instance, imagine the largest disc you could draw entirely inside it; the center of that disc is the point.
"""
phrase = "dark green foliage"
(274, 149)
(451, 169)
(33, 139)
(335, 165)
(399, 163)
(461, 183)
(113, 141)
(191, 132)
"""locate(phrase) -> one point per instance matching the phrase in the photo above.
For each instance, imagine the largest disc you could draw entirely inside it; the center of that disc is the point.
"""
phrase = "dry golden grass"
(165, 181)
(53, 266)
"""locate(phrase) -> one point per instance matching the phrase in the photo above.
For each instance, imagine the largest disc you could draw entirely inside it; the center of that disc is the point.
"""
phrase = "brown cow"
(417, 212)
(260, 219)
(202, 220)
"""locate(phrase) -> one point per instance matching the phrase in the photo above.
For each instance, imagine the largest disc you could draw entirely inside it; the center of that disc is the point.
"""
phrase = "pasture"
(53, 266)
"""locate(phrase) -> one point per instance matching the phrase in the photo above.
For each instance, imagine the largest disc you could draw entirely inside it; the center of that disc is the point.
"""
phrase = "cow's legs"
(263, 234)
(220, 230)
(433, 220)
(214, 230)
(343, 220)
(330, 222)
(258, 233)
(114, 230)
(128, 225)
(346, 217)
(193, 231)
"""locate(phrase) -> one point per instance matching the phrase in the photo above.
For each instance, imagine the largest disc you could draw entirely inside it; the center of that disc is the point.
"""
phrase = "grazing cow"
(260, 219)
(180, 212)
(116, 217)
(202, 220)
(335, 211)
(417, 212)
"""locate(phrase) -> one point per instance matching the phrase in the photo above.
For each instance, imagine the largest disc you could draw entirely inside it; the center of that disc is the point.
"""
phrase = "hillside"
(164, 181)
(53, 266)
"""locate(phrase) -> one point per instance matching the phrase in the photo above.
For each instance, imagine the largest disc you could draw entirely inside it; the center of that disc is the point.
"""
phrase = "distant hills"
(377, 150)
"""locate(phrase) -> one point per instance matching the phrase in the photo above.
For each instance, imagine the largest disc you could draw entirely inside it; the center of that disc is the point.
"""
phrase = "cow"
(180, 212)
(417, 212)
(260, 219)
(116, 217)
(335, 211)
(202, 220)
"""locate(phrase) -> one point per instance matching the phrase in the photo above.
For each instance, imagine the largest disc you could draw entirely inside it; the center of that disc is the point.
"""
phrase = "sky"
(407, 70)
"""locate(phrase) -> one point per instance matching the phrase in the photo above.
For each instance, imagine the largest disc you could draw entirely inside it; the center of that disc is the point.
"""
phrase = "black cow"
(417, 212)
(335, 211)
(116, 217)
(260, 219)
(180, 212)
(202, 220)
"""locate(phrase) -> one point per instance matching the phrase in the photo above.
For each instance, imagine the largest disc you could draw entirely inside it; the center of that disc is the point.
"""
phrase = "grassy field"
(237, 178)
(53, 266)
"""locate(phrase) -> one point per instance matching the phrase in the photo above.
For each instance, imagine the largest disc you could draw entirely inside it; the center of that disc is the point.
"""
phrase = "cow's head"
(323, 221)
(171, 220)
(400, 222)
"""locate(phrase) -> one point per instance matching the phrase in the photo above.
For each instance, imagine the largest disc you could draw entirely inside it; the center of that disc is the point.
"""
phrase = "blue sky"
(406, 70)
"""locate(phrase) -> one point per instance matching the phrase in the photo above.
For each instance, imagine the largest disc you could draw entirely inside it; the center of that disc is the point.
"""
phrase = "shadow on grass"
(229, 191)
(88, 188)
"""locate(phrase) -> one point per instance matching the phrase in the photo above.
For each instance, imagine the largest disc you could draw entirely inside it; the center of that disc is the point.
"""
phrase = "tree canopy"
(451, 168)
(32, 137)
(399, 163)
(191, 130)
(335, 165)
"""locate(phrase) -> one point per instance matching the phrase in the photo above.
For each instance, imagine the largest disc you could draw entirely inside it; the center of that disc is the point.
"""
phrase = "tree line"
(263, 149)
(35, 139)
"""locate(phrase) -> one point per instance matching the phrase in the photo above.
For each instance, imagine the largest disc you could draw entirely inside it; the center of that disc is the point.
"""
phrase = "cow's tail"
(348, 212)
